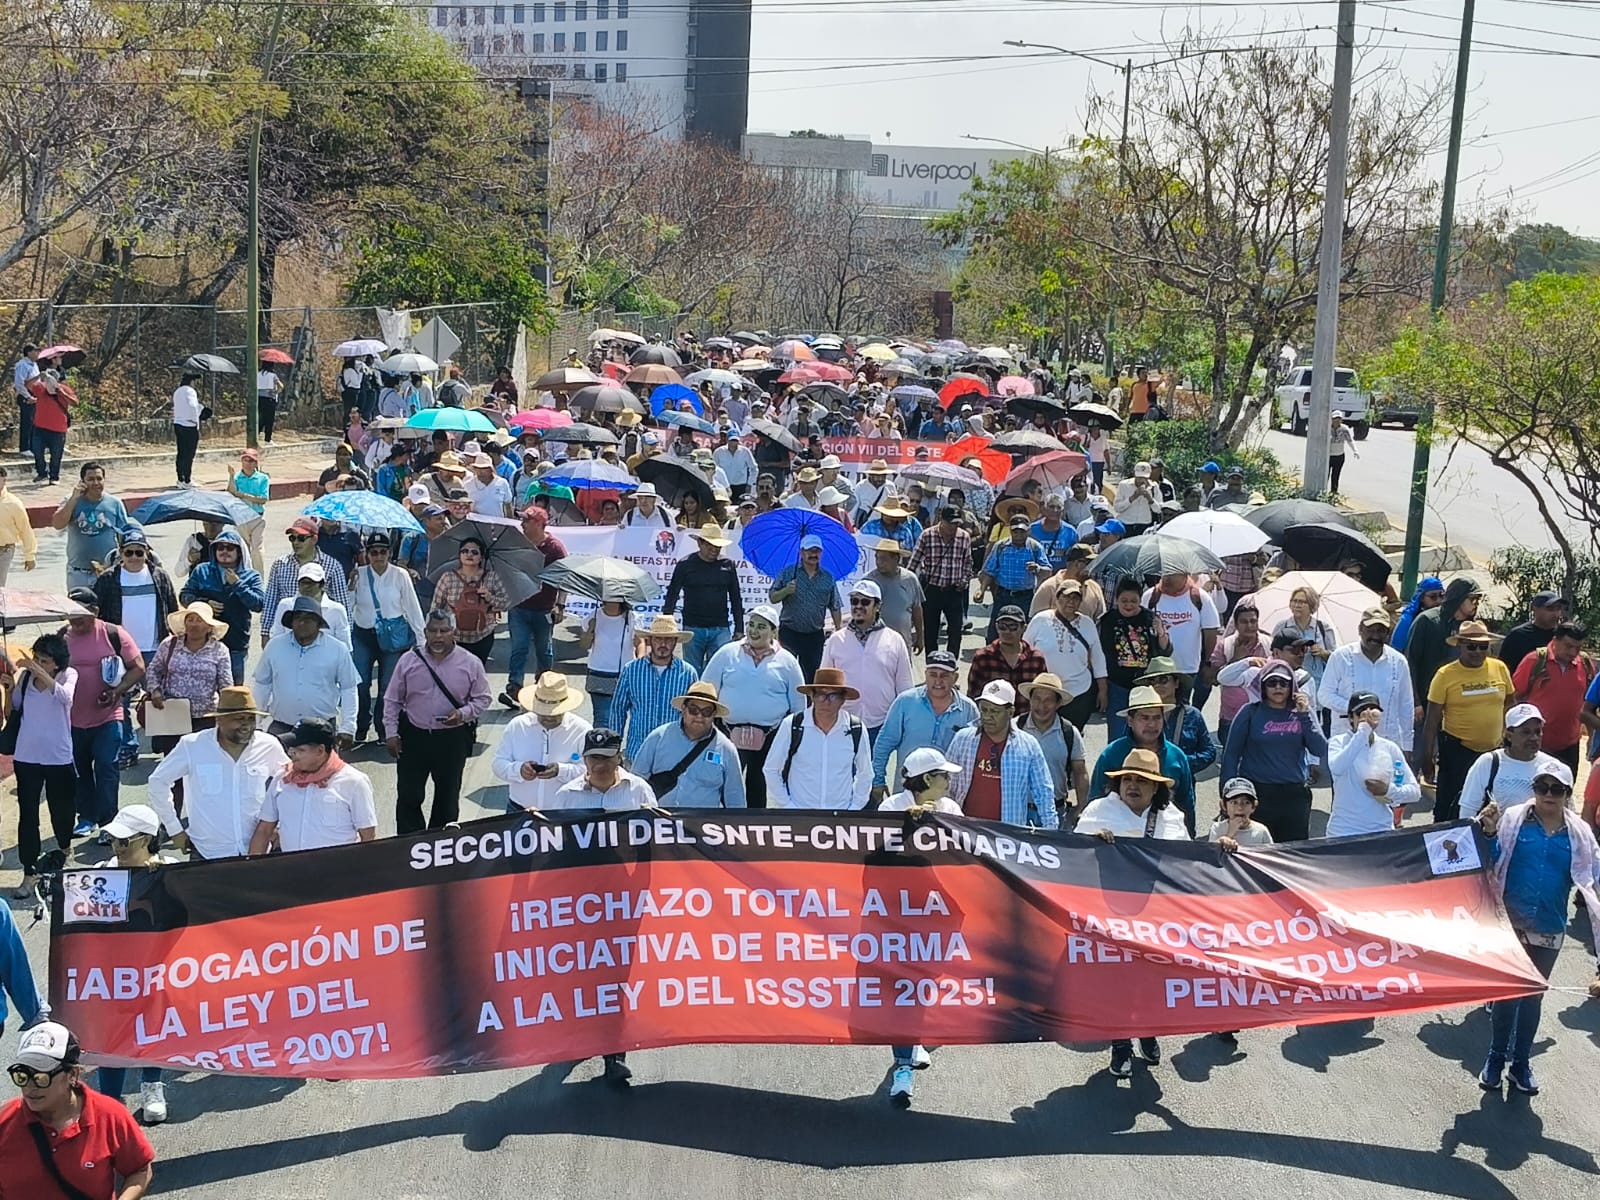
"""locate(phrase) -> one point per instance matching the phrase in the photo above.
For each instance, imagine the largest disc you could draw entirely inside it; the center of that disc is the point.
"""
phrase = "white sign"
(98, 897)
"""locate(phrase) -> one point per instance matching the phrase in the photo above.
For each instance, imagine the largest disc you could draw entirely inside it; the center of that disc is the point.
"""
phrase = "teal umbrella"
(451, 420)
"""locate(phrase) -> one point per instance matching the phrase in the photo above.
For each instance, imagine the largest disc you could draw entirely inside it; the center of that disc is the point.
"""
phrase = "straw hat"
(1162, 664)
(236, 701)
(893, 508)
(450, 463)
(830, 679)
(550, 695)
(879, 466)
(712, 533)
(1142, 763)
(1049, 682)
(1016, 506)
(703, 690)
(665, 626)
(1143, 697)
(175, 620)
(1470, 631)
(890, 545)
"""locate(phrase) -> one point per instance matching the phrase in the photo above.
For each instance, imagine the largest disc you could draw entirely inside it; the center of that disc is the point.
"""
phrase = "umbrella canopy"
(565, 379)
(659, 355)
(718, 343)
(962, 385)
(276, 358)
(878, 352)
(64, 355)
(615, 372)
(827, 372)
(195, 504)
(941, 474)
(751, 364)
(774, 432)
(1153, 554)
(583, 473)
(1023, 441)
(1037, 407)
(794, 350)
(901, 368)
(360, 348)
(1013, 385)
(1318, 546)
(996, 463)
(668, 395)
(915, 392)
(1053, 470)
(674, 480)
(746, 338)
(365, 510)
(1098, 414)
(1223, 533)
(683, 420)
(581, 434)
(205, 364)
(563, 512)
(715, 375)
(772, 541)
(507, 551)
(540, 418)
(408, 364)
(654, 374)
(1274, 518)
(600, 578)
(607, 398)
(996, 354)
(22, 606)
(451, 420)
(614, 335)
(830, 394)
(1340, 601)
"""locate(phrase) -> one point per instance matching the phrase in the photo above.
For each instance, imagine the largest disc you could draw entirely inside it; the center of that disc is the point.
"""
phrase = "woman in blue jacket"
(1268, 743)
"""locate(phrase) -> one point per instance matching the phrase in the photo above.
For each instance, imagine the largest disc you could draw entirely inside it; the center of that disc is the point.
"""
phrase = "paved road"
(1471, 503)
(1357, 1112)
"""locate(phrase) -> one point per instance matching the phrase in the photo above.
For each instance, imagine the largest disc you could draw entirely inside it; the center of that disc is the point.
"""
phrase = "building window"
(461, 16)
(558, 43)
(580, 10)
(477, 46)
(580, 42)
(477, 16)
(622, 73)
(518, 44)
(519, 13)
(622, 40)
(538, 14)
(561, 12)
(538, 43)
(499, 14)
(579, 71)
(602, 10)
(691, 45)
(441, 16)
(599, 72)
(622, 10)
(601, 37)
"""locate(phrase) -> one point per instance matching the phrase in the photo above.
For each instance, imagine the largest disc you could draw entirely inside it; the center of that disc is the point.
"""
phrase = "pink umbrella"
(831, 372)
(540, 418)
(1053, 470)
(795, 350)
(1014, 385)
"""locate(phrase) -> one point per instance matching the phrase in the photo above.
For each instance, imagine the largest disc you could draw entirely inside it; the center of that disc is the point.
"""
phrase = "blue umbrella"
(365, 509)
(684, 420)
(590, 473)
(194, 504)
(668, 395)
(451, 420)
(772, 541)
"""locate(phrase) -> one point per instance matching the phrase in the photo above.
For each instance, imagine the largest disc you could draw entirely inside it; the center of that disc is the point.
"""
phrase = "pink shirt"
(87, 651)
(413, 690)
(1234, 698)
(879, 668)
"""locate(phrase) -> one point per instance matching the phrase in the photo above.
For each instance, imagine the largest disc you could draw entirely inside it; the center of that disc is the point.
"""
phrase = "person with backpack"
(474, 595)
(1556, 678)
(108, 666)
(835, 770)
(1004, 775)
(1505, 775)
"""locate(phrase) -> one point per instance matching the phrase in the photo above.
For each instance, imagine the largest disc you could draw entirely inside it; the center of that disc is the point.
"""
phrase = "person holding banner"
(1004, 774)
(759, 684)
(317, 800)
(646, 686)
(712, 602)
(808, 593)
(542, 748)
(691, 763)
(835, 772)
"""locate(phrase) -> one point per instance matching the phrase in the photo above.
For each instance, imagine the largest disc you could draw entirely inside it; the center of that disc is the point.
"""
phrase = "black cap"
(1363, 700)
(603, 743)
(311, 733)
(377, 539)
(1549, 600)
(1285, 637)
(84, 596)
(942, 658)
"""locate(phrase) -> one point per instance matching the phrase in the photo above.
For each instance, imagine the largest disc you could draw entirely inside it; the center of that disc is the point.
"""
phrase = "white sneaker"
(920, 1060)
(900, 1087)
(153, 1102)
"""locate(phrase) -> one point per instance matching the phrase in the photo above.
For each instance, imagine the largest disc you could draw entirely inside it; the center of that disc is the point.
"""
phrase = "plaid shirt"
(942, 562)
(284, 580)
(989, 664)
(1007, 565)
(1238, 574)
(1027, 793)
(643, 699)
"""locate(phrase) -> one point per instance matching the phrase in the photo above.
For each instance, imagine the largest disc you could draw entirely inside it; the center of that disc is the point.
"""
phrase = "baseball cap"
(865, 587)
(417, 494)
(303, 525)
(927, 758)
(602, 743)
(650, 439)
(1011, 612)
(47, 1046)
(1282, 637)
(998, 691)
(1020, 522)
(941, 660)
(436, 510)
(313, 570)
(1235, 472)
(1098, 502)
(1377, 615)
(1211, 468)
(1554, 768)
(133, 820)
(1275, 670)
(377, 539)
(1238, 786)
(1116, 527)
(310, 733)
(1363, 700)
(811, 542)
(1549, 600)
(767, 612)
(134, 537)
(84, 596)
(1141, 470)
(1521, 714)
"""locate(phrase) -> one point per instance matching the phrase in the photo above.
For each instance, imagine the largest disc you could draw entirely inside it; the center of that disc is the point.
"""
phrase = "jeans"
(57, 783)
(113, 1081)
(236, 661)
(1335, 469)
(1516, 1022)
(130, 730)
(51, 444)
(188, 439)
(436, 754)
(24, 425)
(943, 604)
(1116, 701)
(1200, 693)
(530, 629)
(94, 753)
(601, 706)
(367, 654)
(705, 643)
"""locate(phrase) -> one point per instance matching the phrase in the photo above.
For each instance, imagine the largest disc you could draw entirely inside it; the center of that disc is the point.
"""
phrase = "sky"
(927, 72)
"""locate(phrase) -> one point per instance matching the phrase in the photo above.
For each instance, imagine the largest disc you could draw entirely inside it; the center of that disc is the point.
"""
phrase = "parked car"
(1294, 401)
(1391, 407)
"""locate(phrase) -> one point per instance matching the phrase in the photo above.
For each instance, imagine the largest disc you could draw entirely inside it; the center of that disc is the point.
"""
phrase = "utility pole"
(1325, 348)
(1418, 508)
(252, 265)
(1122, 182)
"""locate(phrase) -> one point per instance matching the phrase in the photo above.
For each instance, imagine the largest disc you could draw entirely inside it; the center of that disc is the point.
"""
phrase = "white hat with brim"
(177, 619)
(132, 821)
(1144, 696)
(925, 759)
(550, 695)
(665, 626)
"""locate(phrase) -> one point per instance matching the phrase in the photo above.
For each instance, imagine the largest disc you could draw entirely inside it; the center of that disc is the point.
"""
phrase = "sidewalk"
(134, 474)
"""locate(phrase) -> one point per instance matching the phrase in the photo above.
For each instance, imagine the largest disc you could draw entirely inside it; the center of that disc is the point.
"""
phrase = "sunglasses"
(25, 1077)
(1276, 683)
(859, 601)
(300, 537)
(472, 551)
(835, 697)
(699, 710)
(1551, 789)
(133, 552)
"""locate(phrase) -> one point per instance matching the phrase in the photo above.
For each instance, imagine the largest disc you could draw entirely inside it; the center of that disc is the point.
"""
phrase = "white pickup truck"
(1294, 401)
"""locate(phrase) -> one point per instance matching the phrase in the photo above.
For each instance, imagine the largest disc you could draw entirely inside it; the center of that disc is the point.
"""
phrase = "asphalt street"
(1369, 1110)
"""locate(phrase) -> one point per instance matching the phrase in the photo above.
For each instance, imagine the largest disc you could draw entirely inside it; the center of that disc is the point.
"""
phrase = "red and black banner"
(518, 941)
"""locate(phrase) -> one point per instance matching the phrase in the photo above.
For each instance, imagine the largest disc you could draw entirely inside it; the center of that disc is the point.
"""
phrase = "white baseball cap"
(134, 820)
(920, 762)
(47, 1046)
(1553, 768)
(865, 587)
(417, 493)
(1520, 714)
(313, 570)
(998, 691)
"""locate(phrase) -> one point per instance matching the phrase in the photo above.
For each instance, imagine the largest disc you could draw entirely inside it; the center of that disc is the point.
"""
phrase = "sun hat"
(1047, 680)
(807, 475)
(889, 545)
(1470, 631)
(830, 679)
(830, 462)
(831, 497)
(306, 605)
(891, 507)
(927, 758)
(879, 467)
(1015, 506)
(665, 626)
(237, 701)
(702, 689)
(175, 620)
(550, 695)
(132, 820)
(646, 490)
(1143, 696)
(1162, 664)
(1142, 763)
(712, 533)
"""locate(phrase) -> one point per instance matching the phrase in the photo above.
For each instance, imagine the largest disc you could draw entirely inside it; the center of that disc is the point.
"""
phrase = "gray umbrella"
(602, 578)
(507, 551)
(1153, 554)
(205, 364)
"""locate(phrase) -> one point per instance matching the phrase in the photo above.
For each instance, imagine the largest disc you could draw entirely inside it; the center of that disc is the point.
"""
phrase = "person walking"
(283, 579)
(16, 532)
(186, 412)
(52, 417)
(1372, 782)
(1182, 723)
(1004, 774)
(1010, 572)
(474, 595)
(93, 520)
(1145, 720)
(605, 784)
(866, 649)
(835, 770)
(1244, 643)
(1370, 665)
(1190, 616)
(253, 486)
(1505, 776)
(191, 665)
(308, 675)
(23, 373)
(313, 585)
(646, 686)
(1467, 703)
(759, 683)
(317, 800)
(1428, 647)
(1546, 611)
(231, 591)
(533, 621)
(541, 748)
(139, 596)
(108, 666)
(268, 388)
(431, 708)
(1268, 744)
(223, 772)
(708, 584)
(902, 597)
(41, 701)
(942, 562)
(610, 639)
(929, 715)
(690, 763)
(1556, 677)
(386, 621)
(1009, 657)
(807, 593)
(1073, 653)
(1340, 443)
(1046, 723)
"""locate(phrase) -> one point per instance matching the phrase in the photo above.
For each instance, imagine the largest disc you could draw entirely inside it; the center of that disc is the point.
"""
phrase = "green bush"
(1184, 446)
(1526, 572)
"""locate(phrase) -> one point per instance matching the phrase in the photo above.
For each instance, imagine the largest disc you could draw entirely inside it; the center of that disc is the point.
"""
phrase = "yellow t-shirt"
(1474, 702)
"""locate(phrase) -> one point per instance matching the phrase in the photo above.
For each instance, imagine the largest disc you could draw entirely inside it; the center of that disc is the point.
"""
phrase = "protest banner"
(856, 453)
(514, 941)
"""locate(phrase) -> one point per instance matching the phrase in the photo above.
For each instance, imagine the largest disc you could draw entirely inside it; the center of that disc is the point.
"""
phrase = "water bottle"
(1399, 811)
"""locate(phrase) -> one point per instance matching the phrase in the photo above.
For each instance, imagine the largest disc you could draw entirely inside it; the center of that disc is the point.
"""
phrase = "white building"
(930, 178)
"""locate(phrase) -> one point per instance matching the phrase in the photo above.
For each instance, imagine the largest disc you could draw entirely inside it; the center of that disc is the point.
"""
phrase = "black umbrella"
(747, 338)
(580, 434)
(1023, 441)
(1099, 414)
(563, 512)
(614, 579)
(673, 480)
(1041, 406)
(1272, 519)
(664, 356)
(830, 394)
(1153, 554)
(1324, 546)
(607, 398)
(774, 432)
(205, 364)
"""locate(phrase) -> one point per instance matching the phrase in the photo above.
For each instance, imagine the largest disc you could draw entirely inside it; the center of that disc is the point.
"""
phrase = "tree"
(1518, 376)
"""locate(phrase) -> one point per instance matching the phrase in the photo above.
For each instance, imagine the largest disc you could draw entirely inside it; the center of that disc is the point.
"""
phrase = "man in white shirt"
(489, 491)
(312, 581)
(648, 510)
(1072, 652)
(25, 371)
(820, 758)
(542, 748)
(223, 774)
(308, 675)
(317, 800)
(1191, 620)
(805, 489)
(1370, 664)
(1136, 498)
(871, 491)
(734, 459)
(604, 783)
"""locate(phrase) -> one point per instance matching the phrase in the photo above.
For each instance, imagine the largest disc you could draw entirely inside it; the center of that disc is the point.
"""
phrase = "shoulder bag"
(42, 1143)
(13, 725)
(395, 635)
(662, 782)
(448, 694)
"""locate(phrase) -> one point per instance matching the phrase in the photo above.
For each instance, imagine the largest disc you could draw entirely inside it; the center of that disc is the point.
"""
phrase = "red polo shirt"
(104, 1144)
(1558, 692)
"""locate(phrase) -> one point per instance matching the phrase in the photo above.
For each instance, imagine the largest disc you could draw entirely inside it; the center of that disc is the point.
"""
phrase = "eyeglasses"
(300, 537)
(1159, 680)
(1551, 789)
(25, 1077)
(699, 710)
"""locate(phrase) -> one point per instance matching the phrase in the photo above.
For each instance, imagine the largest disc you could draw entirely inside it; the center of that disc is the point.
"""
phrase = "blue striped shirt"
(813, 599)
(1007, 565)
(912, 724)
(1027, 793)
(643, 699)
(906, 533)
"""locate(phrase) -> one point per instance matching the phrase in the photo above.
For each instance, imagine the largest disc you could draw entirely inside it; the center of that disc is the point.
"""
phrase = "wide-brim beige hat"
(702, 691)
(1046, 680)
(175, 620)
(713, 533)
(1142, 763)
(664, 626)
(1144, 696)
(550, 695)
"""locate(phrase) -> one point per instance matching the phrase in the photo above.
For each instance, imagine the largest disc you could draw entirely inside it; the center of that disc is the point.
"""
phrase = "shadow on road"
(1509, 1131)
(1095, 1117)
(1316, 1046)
